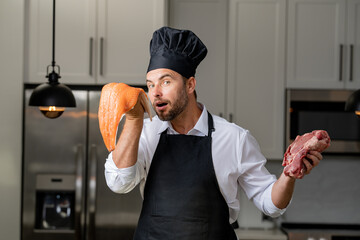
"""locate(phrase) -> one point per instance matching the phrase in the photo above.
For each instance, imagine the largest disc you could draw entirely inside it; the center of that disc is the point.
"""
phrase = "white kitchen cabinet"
(256, 71)
(97, 41)
(323, 44)
(353, 45)
(124, 33)
(208, 20)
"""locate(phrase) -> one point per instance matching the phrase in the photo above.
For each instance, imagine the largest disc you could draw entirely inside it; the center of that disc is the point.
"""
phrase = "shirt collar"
(201, 127)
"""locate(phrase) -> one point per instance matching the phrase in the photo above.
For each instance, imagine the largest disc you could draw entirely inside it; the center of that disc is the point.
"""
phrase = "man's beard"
(178, 107)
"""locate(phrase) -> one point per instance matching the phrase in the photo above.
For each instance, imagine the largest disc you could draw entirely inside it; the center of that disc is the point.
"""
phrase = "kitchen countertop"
(260, 234)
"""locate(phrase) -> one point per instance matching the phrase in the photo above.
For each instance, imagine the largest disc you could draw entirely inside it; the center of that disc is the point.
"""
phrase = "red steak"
(317, 140)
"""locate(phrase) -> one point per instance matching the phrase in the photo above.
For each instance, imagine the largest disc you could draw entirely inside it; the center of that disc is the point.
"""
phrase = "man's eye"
(150, 85)
(166, 83)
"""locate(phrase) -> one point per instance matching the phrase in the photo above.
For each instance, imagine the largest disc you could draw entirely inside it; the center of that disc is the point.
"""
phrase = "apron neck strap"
(211, 124)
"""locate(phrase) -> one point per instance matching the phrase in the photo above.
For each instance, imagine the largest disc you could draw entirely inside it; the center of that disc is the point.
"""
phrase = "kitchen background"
(256, 48)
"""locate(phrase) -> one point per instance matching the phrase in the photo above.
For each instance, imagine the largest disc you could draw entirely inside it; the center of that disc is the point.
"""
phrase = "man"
(190, 164)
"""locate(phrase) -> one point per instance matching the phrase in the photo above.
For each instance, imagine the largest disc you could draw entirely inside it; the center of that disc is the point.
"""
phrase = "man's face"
(167, 92)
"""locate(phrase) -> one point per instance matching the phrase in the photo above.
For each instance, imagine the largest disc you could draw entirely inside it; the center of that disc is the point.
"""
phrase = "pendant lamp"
(52, 97)
(353, 103)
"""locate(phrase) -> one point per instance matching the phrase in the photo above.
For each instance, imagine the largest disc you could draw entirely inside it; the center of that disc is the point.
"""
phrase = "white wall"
(11, 79)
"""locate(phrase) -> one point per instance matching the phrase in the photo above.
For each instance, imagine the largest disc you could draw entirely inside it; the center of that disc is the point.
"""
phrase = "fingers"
(314, 157)
(145, 104)
(308, 166)
(137, 112)
(141, 106)
(311, 160)
(315, 154)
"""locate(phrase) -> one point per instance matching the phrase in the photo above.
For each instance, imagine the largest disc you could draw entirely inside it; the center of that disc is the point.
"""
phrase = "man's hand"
(137, 112)
(284, 187)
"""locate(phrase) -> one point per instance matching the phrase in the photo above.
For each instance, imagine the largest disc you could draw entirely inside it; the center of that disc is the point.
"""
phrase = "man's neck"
(187, 119)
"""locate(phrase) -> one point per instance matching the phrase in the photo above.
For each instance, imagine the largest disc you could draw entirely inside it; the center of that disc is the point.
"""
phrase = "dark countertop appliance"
(309, 110)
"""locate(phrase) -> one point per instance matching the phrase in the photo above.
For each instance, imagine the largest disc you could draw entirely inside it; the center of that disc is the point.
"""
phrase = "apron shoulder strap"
(211, 124)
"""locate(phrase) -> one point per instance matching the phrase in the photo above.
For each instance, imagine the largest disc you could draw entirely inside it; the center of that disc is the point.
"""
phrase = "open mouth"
(160, 105)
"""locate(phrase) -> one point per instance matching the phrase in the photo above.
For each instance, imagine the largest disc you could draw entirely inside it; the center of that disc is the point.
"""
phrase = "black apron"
(182, 199)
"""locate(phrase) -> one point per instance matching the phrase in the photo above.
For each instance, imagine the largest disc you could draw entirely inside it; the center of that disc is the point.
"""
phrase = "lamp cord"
(53, 76)
(53, 35)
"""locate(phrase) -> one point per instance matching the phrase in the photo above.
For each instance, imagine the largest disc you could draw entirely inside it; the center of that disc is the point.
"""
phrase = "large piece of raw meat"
(317, 140)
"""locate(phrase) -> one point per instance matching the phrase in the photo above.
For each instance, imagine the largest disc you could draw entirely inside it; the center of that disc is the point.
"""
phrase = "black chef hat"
(178, 50)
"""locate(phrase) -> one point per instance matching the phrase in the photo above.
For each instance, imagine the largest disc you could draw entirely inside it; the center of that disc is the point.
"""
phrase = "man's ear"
(191, 85)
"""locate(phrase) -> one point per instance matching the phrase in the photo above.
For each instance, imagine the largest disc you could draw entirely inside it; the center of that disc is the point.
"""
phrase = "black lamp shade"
(353, 102)
(52, 94)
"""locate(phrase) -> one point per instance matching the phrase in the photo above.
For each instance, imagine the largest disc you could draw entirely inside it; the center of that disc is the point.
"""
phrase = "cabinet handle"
(341, 62)
(101, 56)
(91, 57)
(230, 117)
(351, 61)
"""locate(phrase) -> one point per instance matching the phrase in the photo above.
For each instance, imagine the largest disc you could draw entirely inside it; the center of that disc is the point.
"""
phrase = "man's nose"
(156, 92)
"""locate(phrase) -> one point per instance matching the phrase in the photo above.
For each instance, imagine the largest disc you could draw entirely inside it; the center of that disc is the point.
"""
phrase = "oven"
(297, 231)
(309, 110)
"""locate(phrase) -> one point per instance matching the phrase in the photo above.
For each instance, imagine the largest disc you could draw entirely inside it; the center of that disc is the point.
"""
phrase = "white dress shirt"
(237, 161)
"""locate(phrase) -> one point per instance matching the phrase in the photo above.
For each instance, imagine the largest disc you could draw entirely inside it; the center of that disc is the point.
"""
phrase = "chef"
(189, 163)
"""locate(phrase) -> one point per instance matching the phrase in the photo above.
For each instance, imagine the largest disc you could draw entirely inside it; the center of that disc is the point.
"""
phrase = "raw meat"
(317, 140)
(115, 100)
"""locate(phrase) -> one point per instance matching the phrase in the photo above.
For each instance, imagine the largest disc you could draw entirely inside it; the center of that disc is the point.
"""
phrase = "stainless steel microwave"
(309, 110)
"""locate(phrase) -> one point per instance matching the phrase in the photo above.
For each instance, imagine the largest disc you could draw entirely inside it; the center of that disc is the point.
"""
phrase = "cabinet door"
(208, 19)
(74, 27)
(125, 30)
(353, 46)
(256, 71)
(316, 38)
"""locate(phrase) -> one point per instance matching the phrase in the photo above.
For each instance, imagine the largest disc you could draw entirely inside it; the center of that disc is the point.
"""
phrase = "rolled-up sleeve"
(122, 180)
(255, 179)
(268, 206)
